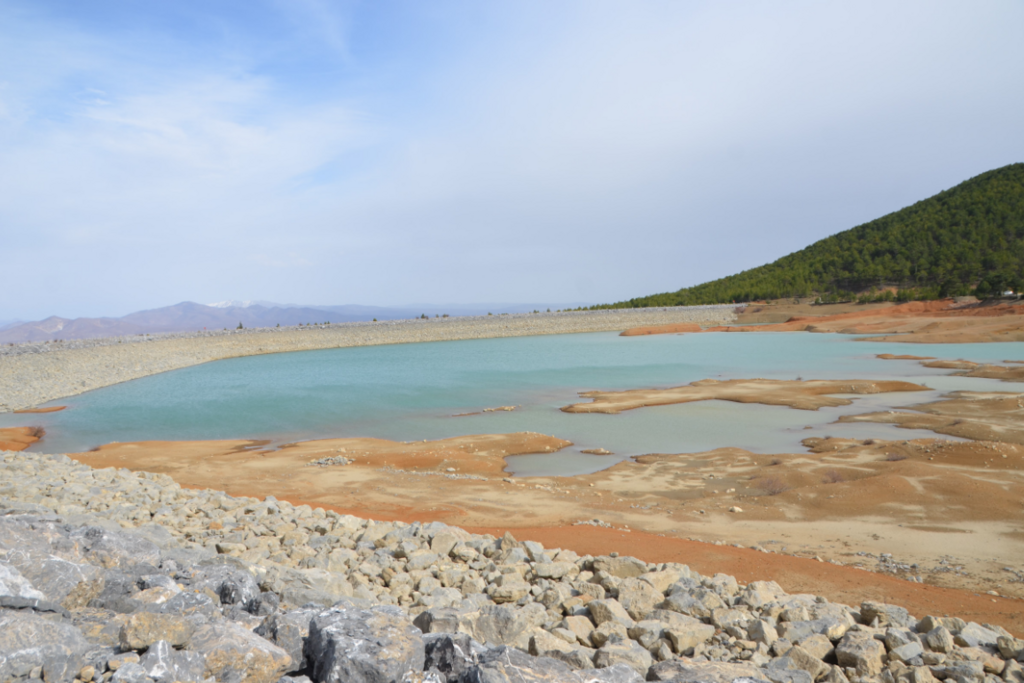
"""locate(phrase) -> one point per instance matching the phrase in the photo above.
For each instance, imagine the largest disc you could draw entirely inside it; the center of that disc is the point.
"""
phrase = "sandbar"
(800, 394)
(19, 438)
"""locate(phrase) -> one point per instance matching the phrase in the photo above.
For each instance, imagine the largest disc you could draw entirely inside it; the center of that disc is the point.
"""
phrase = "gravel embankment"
(110, 575)
(35, 373)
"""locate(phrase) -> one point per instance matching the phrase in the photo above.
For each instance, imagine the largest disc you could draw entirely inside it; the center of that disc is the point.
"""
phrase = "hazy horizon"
(373, 153)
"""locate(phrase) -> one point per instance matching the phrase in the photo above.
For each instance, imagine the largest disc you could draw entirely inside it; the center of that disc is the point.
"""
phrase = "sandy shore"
(946, 512)
(801, 394)
(32, 374)
(921, 322)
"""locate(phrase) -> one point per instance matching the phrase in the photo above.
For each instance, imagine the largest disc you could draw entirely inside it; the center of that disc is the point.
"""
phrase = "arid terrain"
(934, 524)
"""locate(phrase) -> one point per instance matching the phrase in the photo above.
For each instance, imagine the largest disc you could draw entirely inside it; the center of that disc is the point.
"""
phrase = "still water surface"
(411, 391)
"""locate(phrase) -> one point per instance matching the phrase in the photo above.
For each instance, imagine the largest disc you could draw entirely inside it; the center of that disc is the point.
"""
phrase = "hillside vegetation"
(968, 239)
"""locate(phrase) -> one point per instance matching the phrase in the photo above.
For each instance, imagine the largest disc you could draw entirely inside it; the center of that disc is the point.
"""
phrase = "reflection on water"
(411, 391)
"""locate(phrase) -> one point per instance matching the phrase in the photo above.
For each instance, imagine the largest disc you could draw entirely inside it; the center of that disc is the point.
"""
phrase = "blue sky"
(455, 152)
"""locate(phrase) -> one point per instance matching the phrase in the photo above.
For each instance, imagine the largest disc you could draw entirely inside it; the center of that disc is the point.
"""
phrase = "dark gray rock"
(164, 664)
(28, 641)
(449, 654)
(117, 592)
(289, 630)
(232, 584)
(379, 645)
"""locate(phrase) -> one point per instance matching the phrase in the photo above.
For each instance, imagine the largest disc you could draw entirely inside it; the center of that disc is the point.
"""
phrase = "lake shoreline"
(33, 374)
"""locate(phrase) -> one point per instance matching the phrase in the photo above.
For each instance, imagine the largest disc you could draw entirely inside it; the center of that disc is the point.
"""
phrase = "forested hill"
(970, 236)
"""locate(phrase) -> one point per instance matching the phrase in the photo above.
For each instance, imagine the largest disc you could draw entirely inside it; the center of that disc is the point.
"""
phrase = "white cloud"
(591, 151)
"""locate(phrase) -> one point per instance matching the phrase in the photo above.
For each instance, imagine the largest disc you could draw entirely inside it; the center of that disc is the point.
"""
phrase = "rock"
(861, 652)
(542, 642)
(510, 589)
(974, 635)
(448, 654)
(507, 665)
(761, 631)
(628, 653)
(961, 672)
(799, 658)
(661, 580)
(904, 653)
(502, 624)
(638, 598)
(939, 639)
(581, 627)
(12, 583)
(164, 664)
(621, 567)
(617, 673)
(555, 570)
(438, 620)
(443, 543)
(1009, 647)
(818, 646)
(831, 627)
(145, 628)
(232, 653)
(610, 609)
(930, 623)
(133, 672)
(289, 630)
(579, 659)
(724, 618)
(364, 646)
(680, 671)
(609, 632)
(757, 594)
(886, 614)
(28, 641)
(109, 549)
(685, 638)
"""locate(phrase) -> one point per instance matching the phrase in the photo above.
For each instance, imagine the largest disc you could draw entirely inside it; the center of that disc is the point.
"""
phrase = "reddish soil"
(19, 438)
(674, 328)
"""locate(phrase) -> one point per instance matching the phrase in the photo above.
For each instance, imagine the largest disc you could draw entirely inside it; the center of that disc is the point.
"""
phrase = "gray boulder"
(233, 653)
(289, 630)
(12, 583)
(232, 584)
(364, 646)
(502, 624)
(28, 641)
(109, 549)
(449, 654)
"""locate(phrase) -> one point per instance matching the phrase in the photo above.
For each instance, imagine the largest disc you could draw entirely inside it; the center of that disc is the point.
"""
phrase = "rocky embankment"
(109, 575)
(34, 373)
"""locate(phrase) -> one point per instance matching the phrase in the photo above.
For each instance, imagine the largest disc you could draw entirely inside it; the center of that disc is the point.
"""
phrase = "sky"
(397, 152)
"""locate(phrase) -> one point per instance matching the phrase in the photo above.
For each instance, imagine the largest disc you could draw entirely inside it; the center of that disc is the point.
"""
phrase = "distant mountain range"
(188, 316)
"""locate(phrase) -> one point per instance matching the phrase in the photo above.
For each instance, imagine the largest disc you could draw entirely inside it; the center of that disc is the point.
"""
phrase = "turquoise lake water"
(411, 392)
